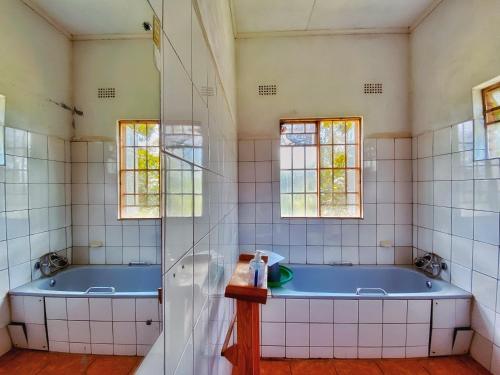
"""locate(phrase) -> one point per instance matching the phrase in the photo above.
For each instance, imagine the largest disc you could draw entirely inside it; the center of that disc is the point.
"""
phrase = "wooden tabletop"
(238, 287)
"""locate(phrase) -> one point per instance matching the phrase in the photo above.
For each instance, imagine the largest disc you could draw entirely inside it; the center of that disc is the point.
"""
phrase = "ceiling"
(266, 16)
(95, 17)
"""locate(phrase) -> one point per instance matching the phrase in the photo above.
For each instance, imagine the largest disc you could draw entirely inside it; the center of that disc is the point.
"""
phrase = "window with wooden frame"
(491, 113)
(320, 168)
(139, 169)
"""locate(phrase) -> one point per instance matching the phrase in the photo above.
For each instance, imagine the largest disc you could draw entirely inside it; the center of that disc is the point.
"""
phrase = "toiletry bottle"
(256, 270)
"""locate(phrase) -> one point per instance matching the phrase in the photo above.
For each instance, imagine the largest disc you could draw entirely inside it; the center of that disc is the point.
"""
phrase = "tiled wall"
(200, 228)
(95, 212)
(325, 328)
(387, 209)
(119, 326)
(456, 215)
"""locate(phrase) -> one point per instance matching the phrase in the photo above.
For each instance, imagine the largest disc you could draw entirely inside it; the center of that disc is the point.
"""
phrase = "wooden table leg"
(248, 338)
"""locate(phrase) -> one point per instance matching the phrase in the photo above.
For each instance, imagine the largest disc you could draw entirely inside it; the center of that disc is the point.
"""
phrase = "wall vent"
(267, 90)
(373, 88)
(105, 93)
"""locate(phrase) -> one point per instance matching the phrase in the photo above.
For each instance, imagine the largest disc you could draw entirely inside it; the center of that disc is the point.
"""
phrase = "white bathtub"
(110, 310)
(363, 312)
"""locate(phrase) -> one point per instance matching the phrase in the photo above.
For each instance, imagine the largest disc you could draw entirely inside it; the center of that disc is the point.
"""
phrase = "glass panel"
(298, 181)
(351, 157)
(352, 180)
(286, 205)
(311, 181)
(311, 156)
(128, 158)
(298, 139)
(492, 98)
(352, 198)
(128, 182)
(298, 128)
(154, 182)
(129, 200)
(311, 128)
(187, 182)
(286, 128)
(311, 205)
(286, 158)
(326, 200)
(141, 181)
(339, 132)
(339, 180)
(153, 200)
(299, 205)
(141, 132)
(153, 135)
(493, 116)
(153, 158)
(174, 180)
(129, 134)
(326, 181)
(298, 158)
(351, 132)
(339, 199)
(286, 181)
(325, 132)
(141, 158)
(339, 156)
(198, 182)
(325, 156)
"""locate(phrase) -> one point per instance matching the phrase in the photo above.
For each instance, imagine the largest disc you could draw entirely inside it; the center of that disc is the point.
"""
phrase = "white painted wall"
(35, 66)
(454, 49)
(322, 76)
(128, 66)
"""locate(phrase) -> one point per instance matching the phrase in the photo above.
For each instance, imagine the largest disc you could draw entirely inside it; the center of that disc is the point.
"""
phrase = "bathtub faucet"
(430, 263)
(340, 264)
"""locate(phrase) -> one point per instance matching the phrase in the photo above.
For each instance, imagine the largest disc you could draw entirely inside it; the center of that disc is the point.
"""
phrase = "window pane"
(493, 137)
(311, 205)
(326, 181)
(128, 182)
(339, 180)
(129, 134)
(326, 156)
(286, 181)
(311, 181)
(311, 128)
(286, 205)
(153, 135)
(325, 132)
(298, 139)
(299, 205)
(141, 132)
(338, 132)
(141, 180)
(286, 158)
(311, 156)
(298, 158)
(298, 128)
(141, 158)
(339, 156)
(153, 156)
(352, 161)
(154, 182)
(298, 182)
(286, 128)
(351, 132)
(353, 180)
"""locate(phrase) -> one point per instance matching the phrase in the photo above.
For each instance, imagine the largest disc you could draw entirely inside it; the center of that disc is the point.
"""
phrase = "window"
(320, 168)
(491, 113)
(139, 169)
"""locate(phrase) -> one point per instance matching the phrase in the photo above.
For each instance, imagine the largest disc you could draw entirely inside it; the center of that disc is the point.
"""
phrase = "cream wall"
(454, 49)
(322, 76)
(35, 67)
(128, 66)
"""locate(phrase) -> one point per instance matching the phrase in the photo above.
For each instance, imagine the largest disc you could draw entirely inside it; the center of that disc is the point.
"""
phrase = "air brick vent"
(106, 93)
(265, 90)
(373, 88)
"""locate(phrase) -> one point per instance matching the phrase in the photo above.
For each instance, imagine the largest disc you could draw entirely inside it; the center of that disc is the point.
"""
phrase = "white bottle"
(256, 270)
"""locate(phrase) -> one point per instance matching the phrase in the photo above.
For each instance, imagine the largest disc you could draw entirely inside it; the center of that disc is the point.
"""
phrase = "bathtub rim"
(30, 289)
(449, 291)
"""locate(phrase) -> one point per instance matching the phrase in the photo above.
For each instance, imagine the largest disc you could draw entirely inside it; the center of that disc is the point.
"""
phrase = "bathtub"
(364, 312)
(110, 310)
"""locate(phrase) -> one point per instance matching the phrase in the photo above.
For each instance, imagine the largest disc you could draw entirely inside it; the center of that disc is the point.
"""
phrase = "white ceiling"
(96, 17)
(257, 16)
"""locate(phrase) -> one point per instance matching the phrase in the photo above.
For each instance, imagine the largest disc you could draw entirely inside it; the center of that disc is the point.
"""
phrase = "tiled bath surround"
(456, 215)
(119, 326)
(387, 209)
(326, 328)
(95, 211)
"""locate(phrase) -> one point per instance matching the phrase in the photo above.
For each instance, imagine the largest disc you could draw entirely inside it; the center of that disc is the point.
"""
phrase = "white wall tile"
(370, 311)
(79, 331)
(395, 311)
(345, 335)
(345, 311)
(297, 310)
(273, 333)
(297, 334)
(77, 308)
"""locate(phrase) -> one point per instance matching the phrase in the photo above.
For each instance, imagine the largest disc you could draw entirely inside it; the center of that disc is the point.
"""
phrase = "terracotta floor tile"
(401, 367)
(356, 367)
(275, 368)
(454, 366)
(313, 367)
(112, 365)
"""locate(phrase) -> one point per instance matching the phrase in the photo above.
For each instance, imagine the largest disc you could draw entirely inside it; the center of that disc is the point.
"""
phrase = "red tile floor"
(463, 365)
(21, 362)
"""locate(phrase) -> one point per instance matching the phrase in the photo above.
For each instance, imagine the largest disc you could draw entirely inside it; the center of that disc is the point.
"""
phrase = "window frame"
(317, 145)
(120, 146)
(483, 98)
